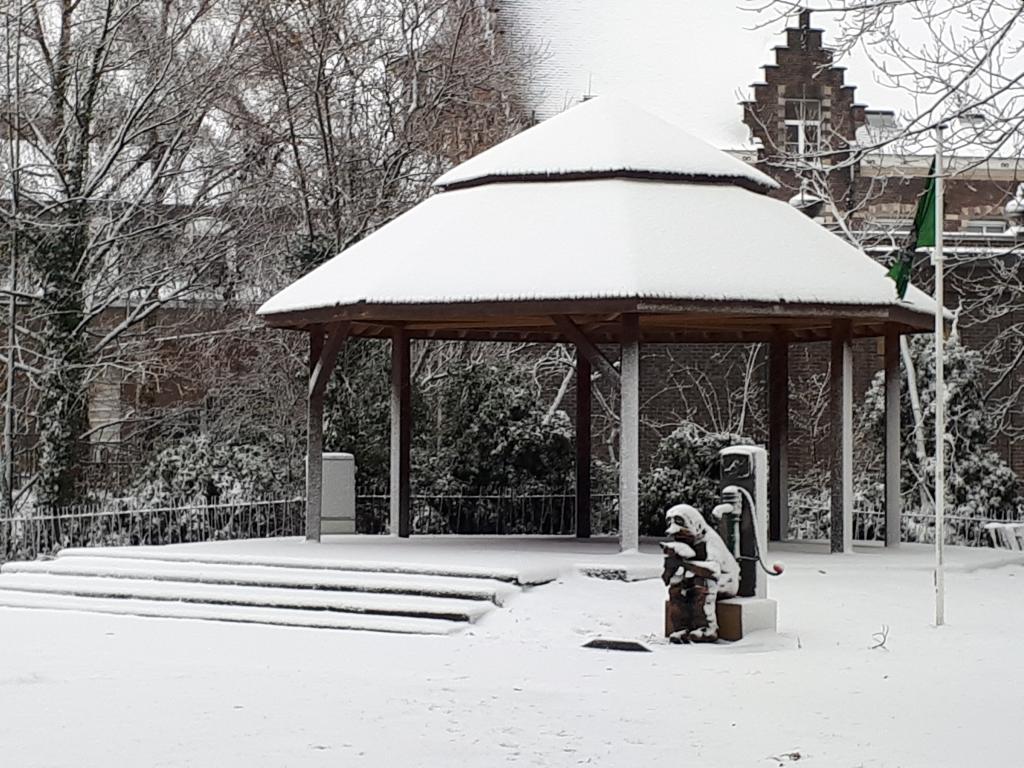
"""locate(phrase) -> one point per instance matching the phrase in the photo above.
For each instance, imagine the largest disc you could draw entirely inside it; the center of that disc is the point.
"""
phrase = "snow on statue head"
(686, 523)
(699, 569)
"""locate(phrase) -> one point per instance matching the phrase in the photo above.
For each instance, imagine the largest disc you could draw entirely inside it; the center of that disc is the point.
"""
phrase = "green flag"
(900, 271)
(922, 235)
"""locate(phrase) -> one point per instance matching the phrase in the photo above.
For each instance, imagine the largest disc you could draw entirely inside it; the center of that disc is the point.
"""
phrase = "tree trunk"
(62, 414)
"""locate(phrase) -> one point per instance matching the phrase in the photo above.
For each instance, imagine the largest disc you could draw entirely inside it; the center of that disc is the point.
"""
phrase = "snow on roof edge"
(906, 304)
(632, 173)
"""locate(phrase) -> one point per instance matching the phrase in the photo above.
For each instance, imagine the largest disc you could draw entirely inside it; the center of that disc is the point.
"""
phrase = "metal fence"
(120, 523)
(44, 532)
(123, 523)
(813, 523)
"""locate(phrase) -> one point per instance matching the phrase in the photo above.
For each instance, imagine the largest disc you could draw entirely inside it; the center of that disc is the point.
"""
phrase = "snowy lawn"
(82, 690)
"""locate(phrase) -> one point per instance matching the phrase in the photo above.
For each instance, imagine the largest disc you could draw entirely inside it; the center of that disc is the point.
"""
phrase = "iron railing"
(43, 532)
(46, 531)
(814, 524)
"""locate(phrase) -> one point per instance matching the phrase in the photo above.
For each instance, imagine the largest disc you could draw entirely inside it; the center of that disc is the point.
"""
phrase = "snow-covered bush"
(357, 410)
(482, 429)
(685, 470)
(810, 507)
(980, 484)
(490, 433)
(198, 467)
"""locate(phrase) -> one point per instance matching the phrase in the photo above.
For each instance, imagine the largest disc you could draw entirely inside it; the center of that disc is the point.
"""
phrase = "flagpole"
(940, 391)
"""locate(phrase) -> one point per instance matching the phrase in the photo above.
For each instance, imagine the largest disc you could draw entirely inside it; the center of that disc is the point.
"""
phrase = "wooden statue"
(699, 569)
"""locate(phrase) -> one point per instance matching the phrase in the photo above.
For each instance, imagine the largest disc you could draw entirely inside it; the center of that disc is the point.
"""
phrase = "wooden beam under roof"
(595, 356)
(604, 335)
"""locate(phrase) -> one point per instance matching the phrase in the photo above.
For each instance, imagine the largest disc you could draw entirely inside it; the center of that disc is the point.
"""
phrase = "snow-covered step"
(335, 579)
(258, 597)
(230, 613)
(520, 576)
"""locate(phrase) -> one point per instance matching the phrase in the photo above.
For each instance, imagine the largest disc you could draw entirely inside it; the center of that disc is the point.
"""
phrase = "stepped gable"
(605, 137)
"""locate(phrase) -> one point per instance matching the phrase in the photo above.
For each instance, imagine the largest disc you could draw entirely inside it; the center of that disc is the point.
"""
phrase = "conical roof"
(602, 138)
(594, 214)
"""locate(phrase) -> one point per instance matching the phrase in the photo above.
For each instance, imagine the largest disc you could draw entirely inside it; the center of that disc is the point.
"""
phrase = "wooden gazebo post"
(841, 406)
(401, 433)
(778, 438)
(893, 502)
(314, 440)
(583, 439)
(323, 352)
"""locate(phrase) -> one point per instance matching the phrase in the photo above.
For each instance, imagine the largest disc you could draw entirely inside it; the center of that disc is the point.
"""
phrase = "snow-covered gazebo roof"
(601, 211)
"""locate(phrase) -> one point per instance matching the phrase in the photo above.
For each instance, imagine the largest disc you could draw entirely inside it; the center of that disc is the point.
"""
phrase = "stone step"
(284, 617)
(327, 579)
(248, 596)
(192, 554)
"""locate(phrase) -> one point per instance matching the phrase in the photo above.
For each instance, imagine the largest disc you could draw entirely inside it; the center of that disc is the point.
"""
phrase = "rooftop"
(556, 221)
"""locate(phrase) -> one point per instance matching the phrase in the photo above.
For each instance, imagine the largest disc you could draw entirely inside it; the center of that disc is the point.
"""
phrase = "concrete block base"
(338, 508)
(739, 616)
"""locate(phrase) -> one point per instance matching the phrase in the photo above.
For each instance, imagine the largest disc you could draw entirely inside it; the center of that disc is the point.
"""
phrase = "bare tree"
(362, 105)
(122, 154)
(956, 64)
(177, 162)
(346, 115)
(953, 58)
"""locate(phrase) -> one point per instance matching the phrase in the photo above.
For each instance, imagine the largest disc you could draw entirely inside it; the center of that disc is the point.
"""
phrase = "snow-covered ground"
(85, 690)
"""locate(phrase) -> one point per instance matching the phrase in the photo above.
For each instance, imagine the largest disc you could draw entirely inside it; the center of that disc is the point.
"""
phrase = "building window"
(984, 227)
(881, 120)
(888, 224)
(803, 126)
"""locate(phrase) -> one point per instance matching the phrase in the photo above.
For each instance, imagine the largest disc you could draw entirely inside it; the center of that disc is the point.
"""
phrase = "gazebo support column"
(583, 401)
(322, 355)
(841, 406)
(629, 435)
(893, 502)
(778, 439)
(401, 433)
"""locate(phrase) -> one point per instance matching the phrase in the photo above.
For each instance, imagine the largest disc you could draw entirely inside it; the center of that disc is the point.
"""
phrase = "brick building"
(816, 139)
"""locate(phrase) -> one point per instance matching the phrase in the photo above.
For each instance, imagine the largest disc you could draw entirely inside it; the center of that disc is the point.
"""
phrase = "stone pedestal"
(737, 616)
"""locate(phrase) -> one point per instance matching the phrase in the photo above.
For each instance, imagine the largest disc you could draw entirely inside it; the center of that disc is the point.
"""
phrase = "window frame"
(803, 145)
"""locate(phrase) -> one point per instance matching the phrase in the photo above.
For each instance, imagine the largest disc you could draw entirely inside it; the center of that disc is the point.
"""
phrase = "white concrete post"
(401, 433)
(629, 436)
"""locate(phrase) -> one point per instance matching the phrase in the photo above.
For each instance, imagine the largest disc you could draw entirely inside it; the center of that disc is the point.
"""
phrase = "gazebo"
(606, 225)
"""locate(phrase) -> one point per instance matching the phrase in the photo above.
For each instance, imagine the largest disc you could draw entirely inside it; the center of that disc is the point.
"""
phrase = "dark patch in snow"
(617, 645)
